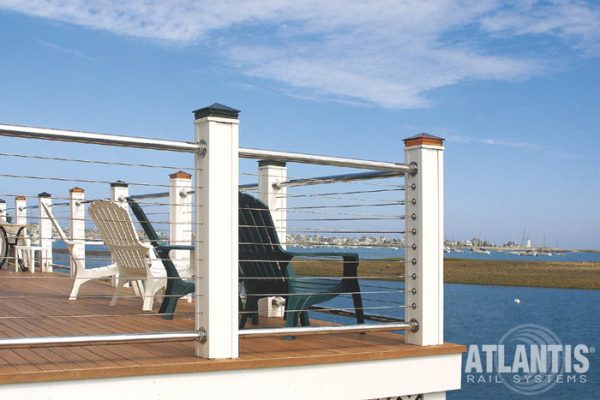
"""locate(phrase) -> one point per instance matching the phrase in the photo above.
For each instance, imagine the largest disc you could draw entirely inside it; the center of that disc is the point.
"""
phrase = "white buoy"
(517, 301)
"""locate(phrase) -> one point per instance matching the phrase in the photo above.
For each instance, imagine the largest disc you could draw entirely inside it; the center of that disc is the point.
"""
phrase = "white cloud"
(390, 53)
(573, 21)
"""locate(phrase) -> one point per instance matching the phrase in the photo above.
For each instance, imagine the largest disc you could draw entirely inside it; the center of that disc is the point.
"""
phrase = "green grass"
(575, 275)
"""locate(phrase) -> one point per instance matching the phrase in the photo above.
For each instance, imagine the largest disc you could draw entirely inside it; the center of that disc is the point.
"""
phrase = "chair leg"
(152, 286)
(148, 302)
(76, 286)
(138, 288)
(117, 292)
(251, 310)
(304, 321)
(168, 306)
(179, 288)
(358, 308)
(295, 304)
(354, 288)
(170, 309)
(243, 315)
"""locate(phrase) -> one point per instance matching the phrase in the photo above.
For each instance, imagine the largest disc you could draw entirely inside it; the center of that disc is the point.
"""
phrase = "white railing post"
(180, 213)
(77, 227)
(46, 229)
(119, 191)
(424, 239)
(216, 230)
(2, 210)
(270, 176)
(21, 210)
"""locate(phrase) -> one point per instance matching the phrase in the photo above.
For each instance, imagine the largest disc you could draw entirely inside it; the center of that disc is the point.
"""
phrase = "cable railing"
(339, 250)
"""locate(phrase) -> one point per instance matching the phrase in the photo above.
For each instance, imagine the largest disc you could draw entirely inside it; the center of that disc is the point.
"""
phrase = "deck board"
(38, 305)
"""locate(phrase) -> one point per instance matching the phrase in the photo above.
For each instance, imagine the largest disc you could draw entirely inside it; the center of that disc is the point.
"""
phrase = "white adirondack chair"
(136, 260)
(82, 274)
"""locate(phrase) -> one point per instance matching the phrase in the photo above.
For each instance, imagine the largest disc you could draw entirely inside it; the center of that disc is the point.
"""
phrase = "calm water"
(483, 314)
(477, 314)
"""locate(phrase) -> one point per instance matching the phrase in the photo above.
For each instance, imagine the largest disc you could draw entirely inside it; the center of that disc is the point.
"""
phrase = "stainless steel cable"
(100, 162)
(79, 180)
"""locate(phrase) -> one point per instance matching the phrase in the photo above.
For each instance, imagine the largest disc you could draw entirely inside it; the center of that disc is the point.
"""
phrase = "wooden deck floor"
(37, 305)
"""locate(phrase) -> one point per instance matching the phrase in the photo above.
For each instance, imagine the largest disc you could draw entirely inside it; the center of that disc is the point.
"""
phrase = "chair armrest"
(353, 256)
(169, 247)
(350, 259)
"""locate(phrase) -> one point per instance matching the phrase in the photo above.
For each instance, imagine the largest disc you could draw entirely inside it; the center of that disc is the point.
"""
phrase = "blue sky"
(512, 86)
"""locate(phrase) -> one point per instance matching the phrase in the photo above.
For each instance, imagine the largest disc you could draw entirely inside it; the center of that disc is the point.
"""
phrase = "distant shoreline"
(545, 274)
(567, 275)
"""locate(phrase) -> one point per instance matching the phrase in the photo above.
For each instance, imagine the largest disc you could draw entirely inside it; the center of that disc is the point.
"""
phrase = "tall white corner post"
(271, 175)
(180, 213)
(45, 229)
(424, 239)
(20, 210)
(77, 227)
(216, 230)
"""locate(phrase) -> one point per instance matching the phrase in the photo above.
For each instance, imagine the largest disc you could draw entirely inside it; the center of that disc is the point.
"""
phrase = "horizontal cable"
(396, 307)
(340, 193)
(88, 161)
(36, 218)
(333, 278)
(31, 196)
(349, 314)
(86, 296)
(322, 196)
(398, 203)
(319, 181)
(349, 214)
(319, 293)
(46, 316)
(370, 285)
(344, 231)
(399, 218)
(59, 179)
(329, 245)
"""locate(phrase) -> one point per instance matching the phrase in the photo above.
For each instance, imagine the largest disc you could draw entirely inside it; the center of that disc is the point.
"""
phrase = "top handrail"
(61, 135)
(179, 146)
(323, 160)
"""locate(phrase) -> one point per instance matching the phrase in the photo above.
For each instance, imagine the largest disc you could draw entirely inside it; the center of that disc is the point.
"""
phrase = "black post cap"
(275, 163)
(44, 194)
(216, 110)
(119, 184)
(2, 201)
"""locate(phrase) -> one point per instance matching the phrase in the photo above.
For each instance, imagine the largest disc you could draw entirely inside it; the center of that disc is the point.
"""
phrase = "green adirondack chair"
(265, 269)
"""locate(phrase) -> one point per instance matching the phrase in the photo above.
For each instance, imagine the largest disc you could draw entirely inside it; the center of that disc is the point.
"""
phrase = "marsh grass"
(575, 275)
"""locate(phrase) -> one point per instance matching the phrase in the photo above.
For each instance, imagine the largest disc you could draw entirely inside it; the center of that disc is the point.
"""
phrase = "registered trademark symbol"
(592, 350)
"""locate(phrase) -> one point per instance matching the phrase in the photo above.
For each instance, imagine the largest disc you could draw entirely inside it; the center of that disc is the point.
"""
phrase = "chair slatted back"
(62, 235)
(260, 252)
(119, 235)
